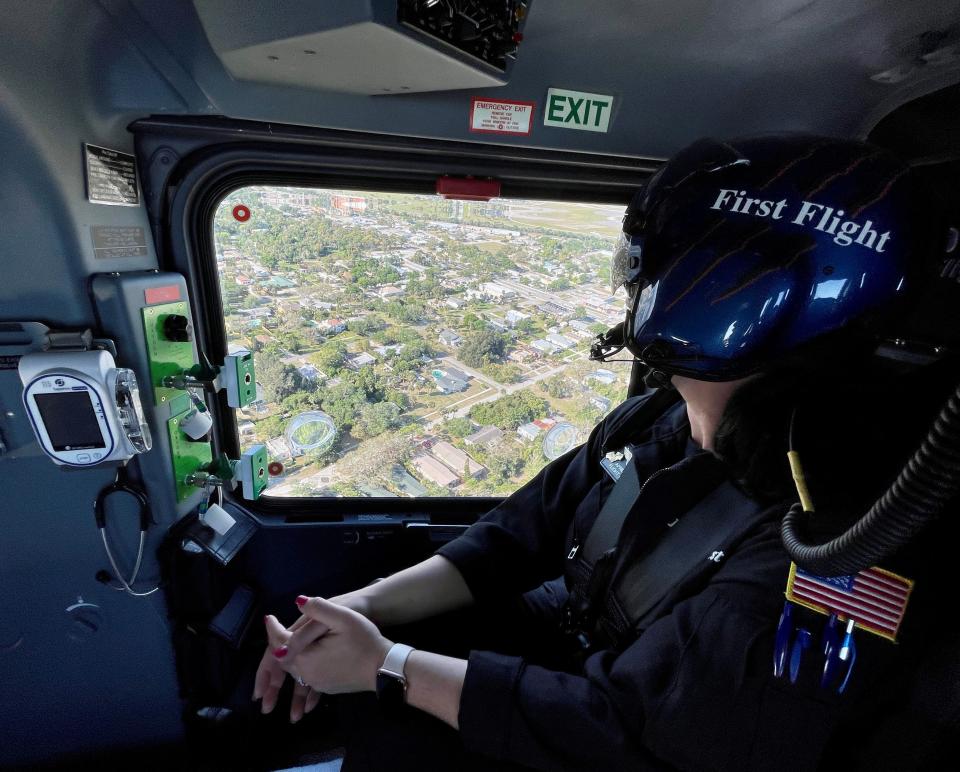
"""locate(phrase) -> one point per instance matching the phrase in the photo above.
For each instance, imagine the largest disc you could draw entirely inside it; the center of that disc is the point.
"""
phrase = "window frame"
(190, 165)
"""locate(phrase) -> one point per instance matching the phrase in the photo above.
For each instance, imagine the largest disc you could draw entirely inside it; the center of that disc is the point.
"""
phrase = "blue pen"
(831, 636)
(800, 645)
(840, 657)
(782, 641)
(831, 641)
(848, 654)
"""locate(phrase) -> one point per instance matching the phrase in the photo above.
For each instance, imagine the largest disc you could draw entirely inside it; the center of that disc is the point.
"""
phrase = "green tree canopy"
(279, 379)
(376, 419)
(510, 411)
(482, 347)
(330, 357)
(458, 427)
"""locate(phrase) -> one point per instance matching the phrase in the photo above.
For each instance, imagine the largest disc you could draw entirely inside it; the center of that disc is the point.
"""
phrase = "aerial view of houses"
(406, 345)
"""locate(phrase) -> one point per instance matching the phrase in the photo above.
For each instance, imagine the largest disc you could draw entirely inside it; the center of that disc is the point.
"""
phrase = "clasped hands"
(332, 648)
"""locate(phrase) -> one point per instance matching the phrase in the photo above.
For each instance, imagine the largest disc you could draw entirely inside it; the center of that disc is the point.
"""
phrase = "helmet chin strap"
(657, 379)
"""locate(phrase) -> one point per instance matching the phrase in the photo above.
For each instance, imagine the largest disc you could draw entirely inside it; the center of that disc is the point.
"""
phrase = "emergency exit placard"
(577, 110)
(501, 116)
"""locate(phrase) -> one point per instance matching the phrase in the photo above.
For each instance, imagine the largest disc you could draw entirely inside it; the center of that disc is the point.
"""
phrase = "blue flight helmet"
(735, 254)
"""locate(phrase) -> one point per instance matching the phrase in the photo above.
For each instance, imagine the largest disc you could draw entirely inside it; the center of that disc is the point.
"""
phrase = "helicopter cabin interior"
(295, 292)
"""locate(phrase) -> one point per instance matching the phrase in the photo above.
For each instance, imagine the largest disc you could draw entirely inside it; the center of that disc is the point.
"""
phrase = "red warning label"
(165, 294)
(501, 116)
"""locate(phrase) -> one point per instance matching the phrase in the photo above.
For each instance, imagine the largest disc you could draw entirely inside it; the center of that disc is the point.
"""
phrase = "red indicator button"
(241, 213)
(275, 468)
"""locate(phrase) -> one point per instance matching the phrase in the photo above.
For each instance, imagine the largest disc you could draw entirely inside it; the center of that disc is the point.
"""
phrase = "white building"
(457, 460)
(432, 470)
(513, 317)
(545, 346)
(528, 432)
(561, 341)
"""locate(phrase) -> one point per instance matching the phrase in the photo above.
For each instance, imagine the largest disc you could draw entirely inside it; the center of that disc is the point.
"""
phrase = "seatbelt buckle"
(570, 627)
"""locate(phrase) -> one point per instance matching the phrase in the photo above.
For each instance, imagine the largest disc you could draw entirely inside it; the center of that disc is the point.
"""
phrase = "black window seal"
(189, 165)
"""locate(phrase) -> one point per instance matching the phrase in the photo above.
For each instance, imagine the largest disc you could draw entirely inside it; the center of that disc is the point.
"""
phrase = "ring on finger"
(300, 681)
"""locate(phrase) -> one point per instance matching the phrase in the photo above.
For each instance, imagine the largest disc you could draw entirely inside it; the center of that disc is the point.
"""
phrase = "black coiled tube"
(924, 486)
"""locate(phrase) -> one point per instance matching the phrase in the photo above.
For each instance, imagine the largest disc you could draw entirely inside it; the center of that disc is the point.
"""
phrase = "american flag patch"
(875, 599)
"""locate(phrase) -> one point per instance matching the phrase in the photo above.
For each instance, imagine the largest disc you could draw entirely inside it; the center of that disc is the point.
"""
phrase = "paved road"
(500, 389)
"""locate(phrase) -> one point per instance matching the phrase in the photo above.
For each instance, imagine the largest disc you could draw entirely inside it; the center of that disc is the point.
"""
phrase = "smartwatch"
(391, 682)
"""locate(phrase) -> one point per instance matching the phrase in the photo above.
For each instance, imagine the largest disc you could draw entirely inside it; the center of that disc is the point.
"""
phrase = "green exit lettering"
(577, 110)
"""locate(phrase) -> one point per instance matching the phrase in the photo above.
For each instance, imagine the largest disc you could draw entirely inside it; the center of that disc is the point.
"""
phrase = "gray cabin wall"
(67, 689)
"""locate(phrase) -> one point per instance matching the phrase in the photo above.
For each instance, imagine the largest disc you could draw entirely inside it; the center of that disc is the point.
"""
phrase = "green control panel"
(170, 350)
(188, 456)
(238, 379)
(169, 346)
(176, 378)
(251, 471)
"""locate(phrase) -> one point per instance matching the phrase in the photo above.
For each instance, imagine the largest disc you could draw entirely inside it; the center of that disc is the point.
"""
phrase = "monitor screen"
(70, 421)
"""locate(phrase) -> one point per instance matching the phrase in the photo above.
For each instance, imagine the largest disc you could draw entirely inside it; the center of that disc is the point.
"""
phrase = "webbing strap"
(702, 536)
(605, 532)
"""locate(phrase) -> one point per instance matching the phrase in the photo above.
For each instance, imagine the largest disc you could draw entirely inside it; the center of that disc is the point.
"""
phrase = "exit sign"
(577, 110)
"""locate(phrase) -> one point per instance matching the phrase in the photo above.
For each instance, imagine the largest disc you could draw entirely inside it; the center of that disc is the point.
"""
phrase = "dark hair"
(840, 399)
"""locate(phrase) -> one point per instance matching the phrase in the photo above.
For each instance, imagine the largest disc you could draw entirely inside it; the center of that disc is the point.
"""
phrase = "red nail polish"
(280, 652)
(302, 600)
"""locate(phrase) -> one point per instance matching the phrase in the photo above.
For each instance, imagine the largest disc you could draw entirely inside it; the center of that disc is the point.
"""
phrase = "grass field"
(595, 219)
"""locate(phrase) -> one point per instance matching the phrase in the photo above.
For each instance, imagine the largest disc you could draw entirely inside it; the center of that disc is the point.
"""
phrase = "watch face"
(390, 690)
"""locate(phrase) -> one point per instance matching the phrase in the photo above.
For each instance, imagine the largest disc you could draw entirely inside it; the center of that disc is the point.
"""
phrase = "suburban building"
(246, 428)
(453, 372)
(450, 338)
(582, 325)
(513, 316)
(433, 471)
(361, 360)
(556, 310)
(606, 377)
(309, 372)
(601, 403)
(332, 326)
(449, 385)
(561, 341)
(528, 432)
(406, 483)
(486, 435)
(545, 346)
(491, 291)
(388, 293)
(457, 460)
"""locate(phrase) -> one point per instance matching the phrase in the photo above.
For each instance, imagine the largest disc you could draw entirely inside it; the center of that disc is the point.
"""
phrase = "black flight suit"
(694, 690)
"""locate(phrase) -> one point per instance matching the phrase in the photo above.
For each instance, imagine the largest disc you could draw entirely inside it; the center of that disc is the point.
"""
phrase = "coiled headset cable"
(122, 485)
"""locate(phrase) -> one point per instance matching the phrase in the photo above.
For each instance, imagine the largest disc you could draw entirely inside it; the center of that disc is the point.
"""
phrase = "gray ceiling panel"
(677, 69)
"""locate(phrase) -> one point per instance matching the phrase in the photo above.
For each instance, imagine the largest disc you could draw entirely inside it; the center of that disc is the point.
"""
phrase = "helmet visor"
(626, 263)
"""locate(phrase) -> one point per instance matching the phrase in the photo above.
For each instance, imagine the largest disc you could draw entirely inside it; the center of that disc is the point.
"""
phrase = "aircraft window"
(407, 345)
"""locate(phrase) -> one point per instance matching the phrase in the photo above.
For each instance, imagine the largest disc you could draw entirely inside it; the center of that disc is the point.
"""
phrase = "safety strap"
(605, 531)
(588, 564)
(696, 544)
